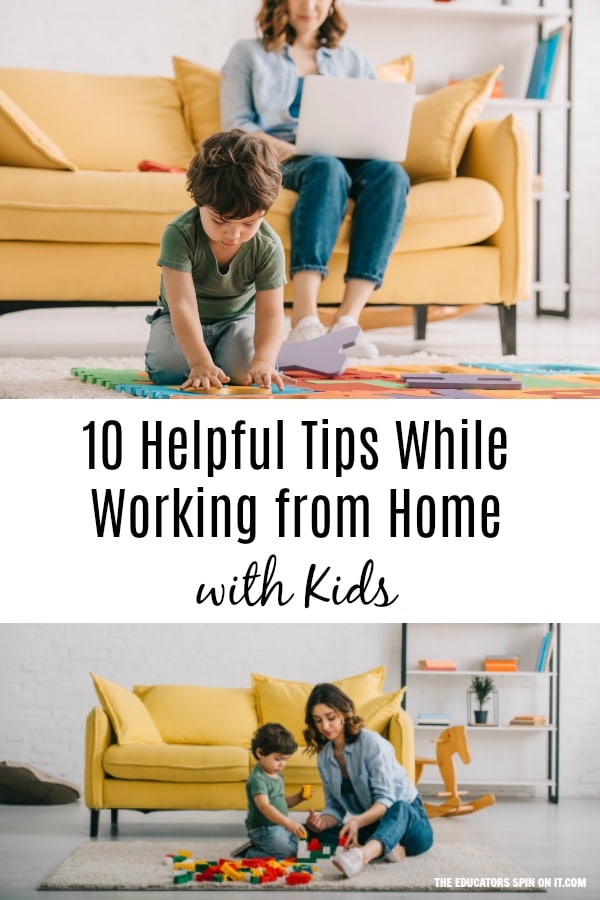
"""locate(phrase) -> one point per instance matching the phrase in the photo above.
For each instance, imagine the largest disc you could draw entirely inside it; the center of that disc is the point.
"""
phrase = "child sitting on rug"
(270, 829)
(220, 308)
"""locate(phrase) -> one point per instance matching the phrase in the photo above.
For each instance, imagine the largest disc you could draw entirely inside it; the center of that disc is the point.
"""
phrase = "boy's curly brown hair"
(235, 173)
(273, 24)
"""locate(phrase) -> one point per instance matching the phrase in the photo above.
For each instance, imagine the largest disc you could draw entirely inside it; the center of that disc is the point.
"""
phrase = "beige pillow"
(22, 143)
(104, 122)
(378, 711)
(199, 91)
(401, 69)
(131, 721)
(442, 124)
(284, 701)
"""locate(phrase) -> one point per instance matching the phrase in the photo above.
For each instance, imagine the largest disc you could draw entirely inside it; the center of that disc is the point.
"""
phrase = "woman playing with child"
(261, 90)
(361, 776)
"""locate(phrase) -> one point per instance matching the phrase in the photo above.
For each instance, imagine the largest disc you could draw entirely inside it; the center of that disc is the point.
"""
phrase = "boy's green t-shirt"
(259, 265)
(261, 783)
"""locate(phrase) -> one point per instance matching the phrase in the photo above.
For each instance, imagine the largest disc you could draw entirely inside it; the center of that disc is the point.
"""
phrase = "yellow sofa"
(80, 223)
(171, 747)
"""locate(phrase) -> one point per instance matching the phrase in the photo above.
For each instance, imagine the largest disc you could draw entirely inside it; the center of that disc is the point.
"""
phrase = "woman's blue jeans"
(403, 823)
(229, 342)
(324, 185)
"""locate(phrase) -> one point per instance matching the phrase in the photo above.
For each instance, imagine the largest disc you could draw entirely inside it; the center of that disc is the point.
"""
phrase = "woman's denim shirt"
(375, 774)
(258, 85)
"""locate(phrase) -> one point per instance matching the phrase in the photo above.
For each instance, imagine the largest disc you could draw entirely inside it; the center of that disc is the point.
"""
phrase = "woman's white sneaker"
(350, 862)
(307, 328)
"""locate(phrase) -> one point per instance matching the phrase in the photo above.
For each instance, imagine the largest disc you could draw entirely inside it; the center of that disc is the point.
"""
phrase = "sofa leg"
(508, 329)
(420, 322)
(94, 822)
(114, 821)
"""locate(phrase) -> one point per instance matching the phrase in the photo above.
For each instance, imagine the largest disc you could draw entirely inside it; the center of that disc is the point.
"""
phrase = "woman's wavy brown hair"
(273, 24)
(332, 696)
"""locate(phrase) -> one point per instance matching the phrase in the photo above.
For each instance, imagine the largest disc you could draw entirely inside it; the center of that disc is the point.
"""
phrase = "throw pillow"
(199, 91)
(378, 711)
(279, 700)
(401, 69)
(442, 124)
(23, 144)
(131, 721)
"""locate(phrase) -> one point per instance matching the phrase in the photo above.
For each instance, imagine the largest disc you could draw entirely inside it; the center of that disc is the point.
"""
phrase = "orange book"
(437, 665)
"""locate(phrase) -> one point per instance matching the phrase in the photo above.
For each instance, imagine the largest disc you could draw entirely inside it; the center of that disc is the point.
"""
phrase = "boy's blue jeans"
(273, 840)
(403, 823)
(324, 184)
(229, 342)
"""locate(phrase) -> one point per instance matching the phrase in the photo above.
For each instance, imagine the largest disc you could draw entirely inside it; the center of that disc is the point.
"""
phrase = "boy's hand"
(205, 376)
(263, 373)
(297, 829)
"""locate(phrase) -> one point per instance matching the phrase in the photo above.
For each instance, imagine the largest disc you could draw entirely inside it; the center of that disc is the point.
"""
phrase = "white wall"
(134, 36)
(46, 691)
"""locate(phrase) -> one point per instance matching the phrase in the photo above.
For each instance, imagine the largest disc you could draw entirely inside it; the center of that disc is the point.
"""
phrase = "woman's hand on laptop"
(283, 149)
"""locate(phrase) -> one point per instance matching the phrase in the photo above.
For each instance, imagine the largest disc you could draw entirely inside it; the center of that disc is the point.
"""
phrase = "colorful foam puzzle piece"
(456, 381)
(323, 355)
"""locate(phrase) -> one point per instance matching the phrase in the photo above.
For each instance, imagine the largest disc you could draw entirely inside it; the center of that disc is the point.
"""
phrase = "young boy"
(269, 826)
(220, 315)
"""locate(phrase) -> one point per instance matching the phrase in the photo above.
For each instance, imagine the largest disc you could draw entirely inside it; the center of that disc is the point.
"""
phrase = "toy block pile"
(222, 871)
(313, 850)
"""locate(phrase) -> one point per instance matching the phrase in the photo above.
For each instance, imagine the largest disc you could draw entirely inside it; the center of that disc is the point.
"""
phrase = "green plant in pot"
(482, 686)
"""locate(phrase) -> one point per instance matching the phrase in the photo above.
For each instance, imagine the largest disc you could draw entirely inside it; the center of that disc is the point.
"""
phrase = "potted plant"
(482, 686)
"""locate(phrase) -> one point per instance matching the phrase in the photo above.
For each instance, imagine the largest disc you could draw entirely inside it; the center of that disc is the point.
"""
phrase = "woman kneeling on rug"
(361, 776)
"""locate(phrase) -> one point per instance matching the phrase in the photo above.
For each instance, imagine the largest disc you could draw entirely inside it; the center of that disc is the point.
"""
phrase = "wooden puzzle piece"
(323, 355)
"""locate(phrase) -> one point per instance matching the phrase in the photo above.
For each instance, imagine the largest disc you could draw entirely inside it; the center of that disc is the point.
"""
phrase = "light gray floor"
(545, 840)
(122, 331)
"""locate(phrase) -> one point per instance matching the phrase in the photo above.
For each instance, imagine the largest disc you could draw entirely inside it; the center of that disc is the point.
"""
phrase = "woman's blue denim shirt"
(258, 85)
(375, 774)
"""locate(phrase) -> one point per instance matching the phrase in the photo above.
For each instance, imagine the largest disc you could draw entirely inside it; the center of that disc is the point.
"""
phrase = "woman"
(361, 776)
(261, 88)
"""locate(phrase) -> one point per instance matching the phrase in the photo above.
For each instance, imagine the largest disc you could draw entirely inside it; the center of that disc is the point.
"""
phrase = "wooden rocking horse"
(452, 740)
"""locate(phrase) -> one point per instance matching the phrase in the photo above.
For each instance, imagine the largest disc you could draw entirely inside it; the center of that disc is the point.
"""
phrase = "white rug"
(139, 865)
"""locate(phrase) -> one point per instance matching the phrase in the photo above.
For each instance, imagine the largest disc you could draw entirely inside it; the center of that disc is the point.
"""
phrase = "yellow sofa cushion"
(192, 714)
(131, 721)
(283, 701)
(178, 763)
(22, 143)
(199, 90)
(401, 69)
(378, 711)
(105, 122)
(441, 125)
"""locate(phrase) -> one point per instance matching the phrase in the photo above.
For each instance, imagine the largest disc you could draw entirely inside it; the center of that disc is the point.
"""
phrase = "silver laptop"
(354, 118)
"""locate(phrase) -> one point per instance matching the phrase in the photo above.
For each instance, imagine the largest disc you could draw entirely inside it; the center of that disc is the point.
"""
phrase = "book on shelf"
(541, 660)
(549, 649)
(528, 720)
(437, 665)
(545, 63)
(501, 665)
(442, 720)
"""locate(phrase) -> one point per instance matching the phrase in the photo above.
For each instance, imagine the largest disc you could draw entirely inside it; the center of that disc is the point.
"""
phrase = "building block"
(323, 355)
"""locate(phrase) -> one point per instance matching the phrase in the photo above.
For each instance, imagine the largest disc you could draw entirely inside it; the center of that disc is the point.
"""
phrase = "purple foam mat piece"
(323, 355)
(452, 381)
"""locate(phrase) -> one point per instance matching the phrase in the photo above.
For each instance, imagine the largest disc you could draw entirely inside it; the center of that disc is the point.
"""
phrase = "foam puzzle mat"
(463, 381)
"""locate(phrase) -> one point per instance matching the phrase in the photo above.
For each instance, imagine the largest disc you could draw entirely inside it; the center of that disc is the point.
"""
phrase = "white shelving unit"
(502, 754)
(459, 38)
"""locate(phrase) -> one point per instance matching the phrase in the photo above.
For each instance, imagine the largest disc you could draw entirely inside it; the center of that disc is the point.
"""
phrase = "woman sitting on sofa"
(261, 88)
(361, 777)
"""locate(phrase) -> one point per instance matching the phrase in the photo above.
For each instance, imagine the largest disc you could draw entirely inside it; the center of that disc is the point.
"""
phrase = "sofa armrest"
(401, 734)
(498, 152)
(98, 737)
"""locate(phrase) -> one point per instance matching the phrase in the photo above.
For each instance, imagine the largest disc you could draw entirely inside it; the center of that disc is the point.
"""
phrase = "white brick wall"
(46, 691)
(138, 37)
